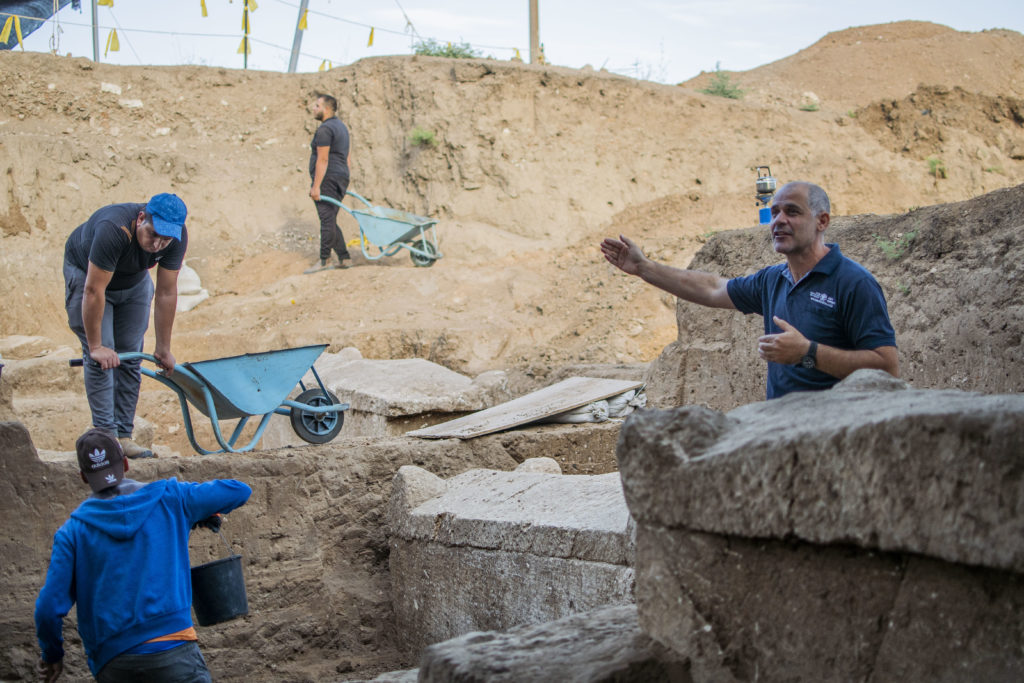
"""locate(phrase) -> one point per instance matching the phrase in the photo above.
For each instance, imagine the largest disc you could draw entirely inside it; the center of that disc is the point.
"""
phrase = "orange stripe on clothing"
(184, 634)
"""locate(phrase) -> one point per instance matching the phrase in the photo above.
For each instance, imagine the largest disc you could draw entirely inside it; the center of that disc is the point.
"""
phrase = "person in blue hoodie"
(123, 558)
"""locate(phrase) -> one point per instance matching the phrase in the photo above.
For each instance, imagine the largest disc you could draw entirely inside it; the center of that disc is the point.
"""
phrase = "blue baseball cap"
(168, 213)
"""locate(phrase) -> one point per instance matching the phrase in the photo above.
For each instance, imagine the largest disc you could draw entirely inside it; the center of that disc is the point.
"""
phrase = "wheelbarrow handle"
(131, 355)
(332, 200)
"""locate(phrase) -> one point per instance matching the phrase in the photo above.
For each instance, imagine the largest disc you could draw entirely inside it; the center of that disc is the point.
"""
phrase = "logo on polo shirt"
(823, 299)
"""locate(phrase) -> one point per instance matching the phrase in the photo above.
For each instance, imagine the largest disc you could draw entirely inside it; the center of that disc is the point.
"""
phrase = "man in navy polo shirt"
(824, 314)
(107, 294)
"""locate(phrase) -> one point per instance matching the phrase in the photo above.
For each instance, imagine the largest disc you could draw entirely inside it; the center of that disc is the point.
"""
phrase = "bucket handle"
(226, 544)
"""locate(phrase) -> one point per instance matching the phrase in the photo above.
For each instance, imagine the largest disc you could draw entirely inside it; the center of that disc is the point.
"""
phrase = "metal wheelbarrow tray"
(240, 387)
(390, 230)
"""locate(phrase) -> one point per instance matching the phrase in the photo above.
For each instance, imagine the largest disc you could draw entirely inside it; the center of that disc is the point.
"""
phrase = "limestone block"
(930, 472)
(492, 550)
(872, 529)
(544, 465)
(411, 487)
(582, 517)
(440, 592)
(601, 645)
(407, 386)
(407, 676)
(739, 609)
(47, 372)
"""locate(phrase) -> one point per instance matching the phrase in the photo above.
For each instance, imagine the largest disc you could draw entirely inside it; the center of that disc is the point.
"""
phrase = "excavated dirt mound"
(532, 166)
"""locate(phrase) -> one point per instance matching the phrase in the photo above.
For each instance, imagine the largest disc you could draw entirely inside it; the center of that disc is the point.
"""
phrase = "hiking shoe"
(322, 264)
(133, 450)
(342, 261)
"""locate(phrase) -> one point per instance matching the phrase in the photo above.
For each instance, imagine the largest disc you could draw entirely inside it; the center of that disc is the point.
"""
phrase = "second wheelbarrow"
(240, 387)
(389, 230)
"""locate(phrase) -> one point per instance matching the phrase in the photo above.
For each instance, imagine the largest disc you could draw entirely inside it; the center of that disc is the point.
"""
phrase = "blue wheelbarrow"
(253, 384)
(389, 230)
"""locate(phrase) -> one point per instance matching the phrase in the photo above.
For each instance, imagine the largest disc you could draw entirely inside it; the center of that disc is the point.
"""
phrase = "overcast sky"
(662, 40)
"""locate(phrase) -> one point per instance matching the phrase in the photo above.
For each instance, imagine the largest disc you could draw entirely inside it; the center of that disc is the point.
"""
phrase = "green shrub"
(893, 249)
(936, 167)
(423, 137)
(432, 48)
(810, 106)
(722, 86)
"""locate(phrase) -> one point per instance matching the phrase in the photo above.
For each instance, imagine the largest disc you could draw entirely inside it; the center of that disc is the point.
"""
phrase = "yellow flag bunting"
(369, 43)
(302, 22)
(5, 35)
(251, 5)
(202, 4)
(112, 44)
(245, 47)
(325, 65)
(105, 3)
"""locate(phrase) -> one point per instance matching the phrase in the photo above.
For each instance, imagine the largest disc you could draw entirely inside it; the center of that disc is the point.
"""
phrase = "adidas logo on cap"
(99, 458)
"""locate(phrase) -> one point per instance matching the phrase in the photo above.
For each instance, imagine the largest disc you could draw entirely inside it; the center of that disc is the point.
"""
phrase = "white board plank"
(557, 398)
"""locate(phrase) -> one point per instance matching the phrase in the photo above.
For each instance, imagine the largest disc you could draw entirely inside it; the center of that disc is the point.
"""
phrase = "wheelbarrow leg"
(226, 447)
(230, 446)
(186, 416)
(238, 431)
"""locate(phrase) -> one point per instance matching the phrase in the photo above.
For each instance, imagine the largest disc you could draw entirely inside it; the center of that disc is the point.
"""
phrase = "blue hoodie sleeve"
(212, 497)
(56, 598)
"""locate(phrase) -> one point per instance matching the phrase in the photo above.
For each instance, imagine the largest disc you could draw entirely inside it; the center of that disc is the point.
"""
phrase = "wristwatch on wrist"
(811, 357)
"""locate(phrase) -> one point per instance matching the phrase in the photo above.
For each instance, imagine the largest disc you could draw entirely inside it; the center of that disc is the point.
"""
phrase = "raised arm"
(696, 286)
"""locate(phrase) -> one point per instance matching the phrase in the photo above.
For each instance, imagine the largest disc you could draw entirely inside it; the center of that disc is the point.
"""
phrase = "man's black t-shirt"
(332, 133)
(108, 240)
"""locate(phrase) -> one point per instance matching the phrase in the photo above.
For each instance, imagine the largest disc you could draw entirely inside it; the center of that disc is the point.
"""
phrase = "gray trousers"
(183, 664)
(113, 394)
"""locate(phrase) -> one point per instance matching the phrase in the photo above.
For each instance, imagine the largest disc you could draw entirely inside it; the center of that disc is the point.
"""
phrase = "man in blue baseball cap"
(108, 293)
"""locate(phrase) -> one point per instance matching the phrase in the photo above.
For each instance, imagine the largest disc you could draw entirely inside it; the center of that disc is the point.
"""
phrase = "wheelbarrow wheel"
(419, 259)
(316, 427)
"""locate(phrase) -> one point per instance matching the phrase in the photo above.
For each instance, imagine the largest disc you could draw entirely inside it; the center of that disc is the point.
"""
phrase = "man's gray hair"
(817, 199)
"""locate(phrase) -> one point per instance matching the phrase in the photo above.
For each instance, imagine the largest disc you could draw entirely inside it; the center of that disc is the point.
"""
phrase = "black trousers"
(330, 234)
(182, 664)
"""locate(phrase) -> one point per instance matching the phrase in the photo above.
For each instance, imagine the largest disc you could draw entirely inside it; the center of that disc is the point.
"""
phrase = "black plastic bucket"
(218, 591)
